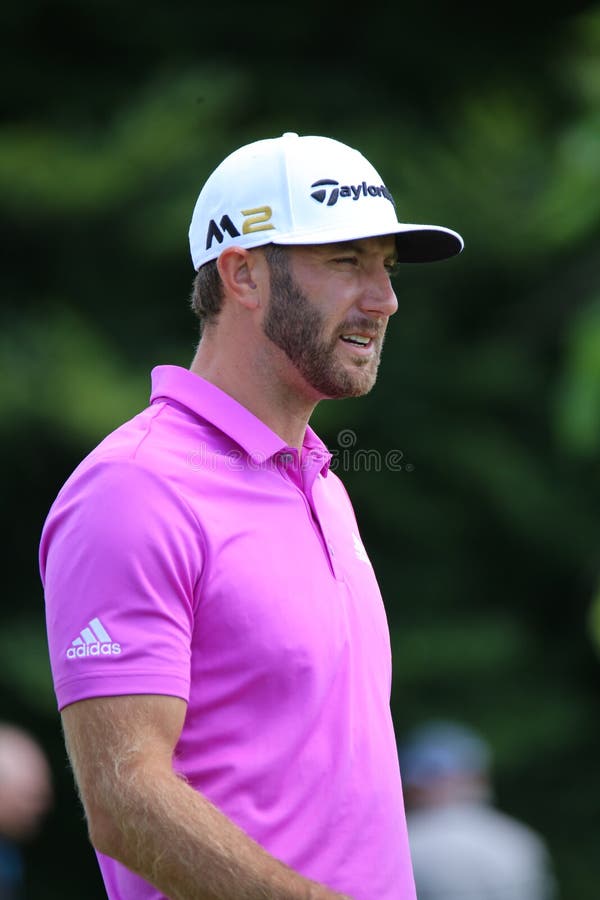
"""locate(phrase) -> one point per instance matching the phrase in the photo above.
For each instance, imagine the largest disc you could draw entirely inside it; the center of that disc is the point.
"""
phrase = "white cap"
(304, 190)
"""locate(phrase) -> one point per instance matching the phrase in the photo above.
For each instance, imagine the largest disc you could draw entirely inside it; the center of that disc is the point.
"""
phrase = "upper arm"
(121, 548)
(116, 743)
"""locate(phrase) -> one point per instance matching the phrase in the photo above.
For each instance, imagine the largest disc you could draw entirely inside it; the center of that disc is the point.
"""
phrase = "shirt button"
(331, 550)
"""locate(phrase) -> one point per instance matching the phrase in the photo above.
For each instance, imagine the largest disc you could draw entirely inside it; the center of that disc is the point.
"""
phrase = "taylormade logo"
(94, 640)
(332, 191)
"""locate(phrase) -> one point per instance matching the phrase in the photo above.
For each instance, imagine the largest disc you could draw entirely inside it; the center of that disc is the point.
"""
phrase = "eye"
(392, 268)
(347, 260)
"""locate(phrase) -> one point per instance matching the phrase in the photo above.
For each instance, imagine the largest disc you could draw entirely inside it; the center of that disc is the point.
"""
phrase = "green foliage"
(25, 663)
(577, 412)
(65, 374)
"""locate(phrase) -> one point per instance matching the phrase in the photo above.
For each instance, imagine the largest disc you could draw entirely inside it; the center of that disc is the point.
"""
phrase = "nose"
(379, 297)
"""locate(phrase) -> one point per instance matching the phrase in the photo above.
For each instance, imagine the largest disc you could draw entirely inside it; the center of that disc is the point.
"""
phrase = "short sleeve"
(120, 559)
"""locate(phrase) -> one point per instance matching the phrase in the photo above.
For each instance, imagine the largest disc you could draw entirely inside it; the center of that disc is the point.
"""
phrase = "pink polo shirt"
(194, 554)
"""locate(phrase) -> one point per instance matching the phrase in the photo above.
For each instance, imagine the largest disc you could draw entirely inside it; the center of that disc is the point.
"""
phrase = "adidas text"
(93, 650)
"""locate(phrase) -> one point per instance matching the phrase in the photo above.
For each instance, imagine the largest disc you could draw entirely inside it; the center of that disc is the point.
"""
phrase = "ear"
(242, 275)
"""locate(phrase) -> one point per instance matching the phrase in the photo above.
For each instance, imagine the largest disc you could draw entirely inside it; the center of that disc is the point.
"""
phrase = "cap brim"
(427, 243)
(415, 243)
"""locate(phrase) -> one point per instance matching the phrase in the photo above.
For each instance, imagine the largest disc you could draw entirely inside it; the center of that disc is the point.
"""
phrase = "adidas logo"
(359, 549)
(94, 640)
(347, 190)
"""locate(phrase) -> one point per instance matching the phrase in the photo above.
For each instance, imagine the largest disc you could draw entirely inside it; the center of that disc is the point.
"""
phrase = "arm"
(140, 812)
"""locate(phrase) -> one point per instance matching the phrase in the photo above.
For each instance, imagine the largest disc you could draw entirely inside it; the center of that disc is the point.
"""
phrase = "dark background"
(486, 538)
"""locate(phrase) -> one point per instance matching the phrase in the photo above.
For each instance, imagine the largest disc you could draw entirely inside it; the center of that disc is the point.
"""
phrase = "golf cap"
(440, 749)
(304, 190)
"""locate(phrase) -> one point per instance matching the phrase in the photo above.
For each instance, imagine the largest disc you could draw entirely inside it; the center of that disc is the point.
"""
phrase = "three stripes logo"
(94, 640)
(331, 190)
(359, 549)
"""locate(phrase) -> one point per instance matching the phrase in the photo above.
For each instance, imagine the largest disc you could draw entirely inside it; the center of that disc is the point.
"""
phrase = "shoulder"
(112, 505)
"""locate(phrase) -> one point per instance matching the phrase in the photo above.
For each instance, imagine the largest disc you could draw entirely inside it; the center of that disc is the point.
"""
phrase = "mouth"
(360, 343)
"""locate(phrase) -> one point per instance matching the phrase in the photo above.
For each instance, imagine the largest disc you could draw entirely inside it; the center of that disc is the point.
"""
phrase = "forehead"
(383, 245)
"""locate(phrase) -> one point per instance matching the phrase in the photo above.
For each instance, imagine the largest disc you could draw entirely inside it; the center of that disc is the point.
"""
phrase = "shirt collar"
(209, 402)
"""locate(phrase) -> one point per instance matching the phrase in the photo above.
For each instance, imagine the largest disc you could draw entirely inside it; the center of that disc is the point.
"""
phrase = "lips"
(359, 340)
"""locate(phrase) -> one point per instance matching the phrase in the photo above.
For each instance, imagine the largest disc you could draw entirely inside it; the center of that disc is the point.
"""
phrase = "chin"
(362, 384)
(351, 388)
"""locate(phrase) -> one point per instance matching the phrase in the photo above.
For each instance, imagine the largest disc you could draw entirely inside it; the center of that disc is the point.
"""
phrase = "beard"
(297, 327)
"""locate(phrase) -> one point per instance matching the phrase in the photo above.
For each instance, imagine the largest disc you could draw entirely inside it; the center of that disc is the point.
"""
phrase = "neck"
(257, 387)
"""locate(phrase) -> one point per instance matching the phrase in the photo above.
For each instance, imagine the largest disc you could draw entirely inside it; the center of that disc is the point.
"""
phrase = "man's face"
(26, 790)
(328, 312)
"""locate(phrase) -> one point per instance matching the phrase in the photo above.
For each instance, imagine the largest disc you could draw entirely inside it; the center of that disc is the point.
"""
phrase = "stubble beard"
(294, 325)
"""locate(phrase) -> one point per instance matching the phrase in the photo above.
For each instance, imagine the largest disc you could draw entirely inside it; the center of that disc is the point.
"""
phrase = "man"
(218, 641)
(461, 845)
(26, 796)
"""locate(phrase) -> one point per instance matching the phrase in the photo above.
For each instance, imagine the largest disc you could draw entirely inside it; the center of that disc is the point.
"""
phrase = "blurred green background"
(485, 530)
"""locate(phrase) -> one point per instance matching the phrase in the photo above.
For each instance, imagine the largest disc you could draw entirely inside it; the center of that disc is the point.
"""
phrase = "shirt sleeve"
(120, 560)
